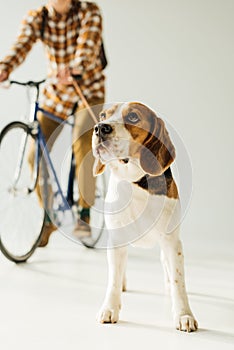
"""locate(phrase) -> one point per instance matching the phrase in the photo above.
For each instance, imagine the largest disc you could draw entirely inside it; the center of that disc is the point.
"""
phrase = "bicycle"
(19, 206)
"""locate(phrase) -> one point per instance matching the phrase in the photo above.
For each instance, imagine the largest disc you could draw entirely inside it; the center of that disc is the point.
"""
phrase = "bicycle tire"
(21, 216)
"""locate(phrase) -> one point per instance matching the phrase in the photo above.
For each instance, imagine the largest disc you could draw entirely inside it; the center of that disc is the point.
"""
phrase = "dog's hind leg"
(109, 312)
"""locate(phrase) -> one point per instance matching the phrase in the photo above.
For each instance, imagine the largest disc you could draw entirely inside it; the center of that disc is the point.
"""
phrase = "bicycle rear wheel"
(21, 216)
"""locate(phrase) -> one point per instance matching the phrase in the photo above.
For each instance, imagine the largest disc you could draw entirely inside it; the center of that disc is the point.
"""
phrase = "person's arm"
(89, 40)
(29, 33)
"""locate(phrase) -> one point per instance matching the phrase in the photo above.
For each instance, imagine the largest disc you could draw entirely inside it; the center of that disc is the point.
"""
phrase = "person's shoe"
(48, 228)
(82, 228)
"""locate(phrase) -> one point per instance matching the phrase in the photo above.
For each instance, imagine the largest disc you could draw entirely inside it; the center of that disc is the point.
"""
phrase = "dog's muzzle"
(101, 130)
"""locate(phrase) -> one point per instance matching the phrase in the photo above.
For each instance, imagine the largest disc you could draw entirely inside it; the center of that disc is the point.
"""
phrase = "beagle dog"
(142, 205)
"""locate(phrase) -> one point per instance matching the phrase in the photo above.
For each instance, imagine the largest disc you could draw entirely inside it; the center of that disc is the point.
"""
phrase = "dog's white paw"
(108, 314)
(186, 323)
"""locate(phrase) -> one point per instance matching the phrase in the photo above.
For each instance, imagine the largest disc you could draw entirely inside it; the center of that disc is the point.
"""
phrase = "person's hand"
(3, 75)
(76, 71)
(76, 74)
(64, 76)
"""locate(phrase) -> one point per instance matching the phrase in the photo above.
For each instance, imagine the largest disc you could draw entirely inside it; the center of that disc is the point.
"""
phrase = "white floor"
(51, 302)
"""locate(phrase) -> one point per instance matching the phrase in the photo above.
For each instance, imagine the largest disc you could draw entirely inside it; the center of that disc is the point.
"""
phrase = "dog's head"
(132, 131)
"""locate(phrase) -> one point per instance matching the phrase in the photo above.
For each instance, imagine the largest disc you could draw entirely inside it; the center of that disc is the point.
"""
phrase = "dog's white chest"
(134, 216)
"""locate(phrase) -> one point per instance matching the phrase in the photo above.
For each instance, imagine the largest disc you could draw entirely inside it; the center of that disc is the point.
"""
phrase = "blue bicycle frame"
(67, 201)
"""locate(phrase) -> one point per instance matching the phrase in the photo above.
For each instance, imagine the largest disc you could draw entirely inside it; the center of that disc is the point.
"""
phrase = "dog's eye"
(102, 115)
(132, 118)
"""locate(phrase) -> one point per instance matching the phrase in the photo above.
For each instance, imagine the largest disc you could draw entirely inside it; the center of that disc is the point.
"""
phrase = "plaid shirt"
(71, 40)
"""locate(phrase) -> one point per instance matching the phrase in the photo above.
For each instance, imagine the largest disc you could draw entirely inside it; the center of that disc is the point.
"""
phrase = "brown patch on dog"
(98, 167)
(151, 141)
(106, 114)
(139, 131)
(172, 190)
(159, 185)
(158, 151)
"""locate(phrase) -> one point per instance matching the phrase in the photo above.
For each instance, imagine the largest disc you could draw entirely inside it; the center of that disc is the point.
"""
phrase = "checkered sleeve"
(28, 34)
(89, 40)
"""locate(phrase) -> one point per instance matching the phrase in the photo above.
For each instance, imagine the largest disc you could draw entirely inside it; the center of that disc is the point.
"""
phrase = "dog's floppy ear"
(98, 167)
(157, 151)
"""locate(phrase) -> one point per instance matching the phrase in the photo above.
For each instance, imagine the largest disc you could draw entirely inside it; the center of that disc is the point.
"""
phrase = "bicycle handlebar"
(7, 83)
(76, 78)
(32, 83)
(29, 83)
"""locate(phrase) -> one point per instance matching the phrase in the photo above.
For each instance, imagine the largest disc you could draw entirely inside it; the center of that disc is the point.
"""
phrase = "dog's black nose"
(102, 129)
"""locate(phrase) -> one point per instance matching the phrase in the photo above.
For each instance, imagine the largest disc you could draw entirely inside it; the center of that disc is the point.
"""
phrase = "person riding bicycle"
(72, 36)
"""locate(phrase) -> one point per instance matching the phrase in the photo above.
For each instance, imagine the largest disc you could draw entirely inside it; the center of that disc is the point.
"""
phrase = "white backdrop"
(176, 56)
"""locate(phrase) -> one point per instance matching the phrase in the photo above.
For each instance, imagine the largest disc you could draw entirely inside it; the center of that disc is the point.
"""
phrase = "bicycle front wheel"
(21, 216)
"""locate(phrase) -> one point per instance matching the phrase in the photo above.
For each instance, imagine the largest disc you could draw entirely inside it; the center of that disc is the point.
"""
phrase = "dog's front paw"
(186, 323)
(108, 314)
